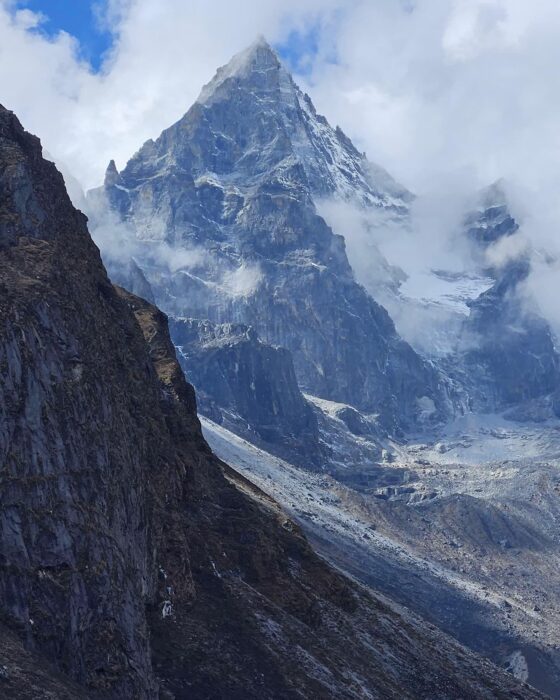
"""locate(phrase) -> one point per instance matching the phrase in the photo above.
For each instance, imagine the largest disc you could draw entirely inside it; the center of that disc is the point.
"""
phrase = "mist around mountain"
(252, 209)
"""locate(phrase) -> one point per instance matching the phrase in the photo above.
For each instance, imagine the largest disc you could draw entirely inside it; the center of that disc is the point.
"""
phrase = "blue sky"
(298, 48)
(78, 18)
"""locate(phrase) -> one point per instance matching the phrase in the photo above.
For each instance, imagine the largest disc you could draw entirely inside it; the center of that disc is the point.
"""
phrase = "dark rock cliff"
(76, 549)
(248, 386)
(132, 560)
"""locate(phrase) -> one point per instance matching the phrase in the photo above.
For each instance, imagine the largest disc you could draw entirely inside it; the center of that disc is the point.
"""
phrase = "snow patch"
(517, 665)
(452, 291)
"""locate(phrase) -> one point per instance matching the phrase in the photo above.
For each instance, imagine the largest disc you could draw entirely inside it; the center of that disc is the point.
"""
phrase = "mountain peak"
(494, 195)
(261, 43)
(256, 64)
(259, 54)
(112, 176)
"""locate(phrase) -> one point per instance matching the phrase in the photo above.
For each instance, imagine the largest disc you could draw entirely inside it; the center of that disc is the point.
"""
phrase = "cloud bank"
(448, 95)
(163, 53)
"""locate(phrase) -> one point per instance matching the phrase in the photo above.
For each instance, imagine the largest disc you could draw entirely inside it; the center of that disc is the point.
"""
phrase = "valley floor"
(470, 541)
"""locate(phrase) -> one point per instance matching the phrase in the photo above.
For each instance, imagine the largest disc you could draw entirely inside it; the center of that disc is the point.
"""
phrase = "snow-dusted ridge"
(331, 161)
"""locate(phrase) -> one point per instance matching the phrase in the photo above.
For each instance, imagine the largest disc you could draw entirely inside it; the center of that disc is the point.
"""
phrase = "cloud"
(447, 85)
(364, 231)
(507, 249)
(163, 53)
(119, 244)
(242, 281)
(540, 290)
(445, 94)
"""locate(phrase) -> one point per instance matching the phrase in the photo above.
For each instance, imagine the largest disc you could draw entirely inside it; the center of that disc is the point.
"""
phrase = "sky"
(448, 95)
(81, 19)
(426, 87)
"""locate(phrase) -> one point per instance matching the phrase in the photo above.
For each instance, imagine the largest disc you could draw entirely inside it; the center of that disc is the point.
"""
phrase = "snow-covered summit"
(257, 58)
(259, 123)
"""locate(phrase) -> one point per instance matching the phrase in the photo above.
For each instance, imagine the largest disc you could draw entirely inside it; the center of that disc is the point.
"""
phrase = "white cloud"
(164, 51)
(425, 87)
(437, 91)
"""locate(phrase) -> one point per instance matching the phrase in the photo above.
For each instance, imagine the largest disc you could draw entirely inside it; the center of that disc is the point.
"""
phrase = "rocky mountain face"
(248, 386)
(133, 563)
(506, 350)
(232, 188)
(76, 552)
(492, 219)
(131, 277)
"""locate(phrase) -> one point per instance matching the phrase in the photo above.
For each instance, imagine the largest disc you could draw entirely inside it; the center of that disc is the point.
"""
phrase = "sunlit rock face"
(231, 189)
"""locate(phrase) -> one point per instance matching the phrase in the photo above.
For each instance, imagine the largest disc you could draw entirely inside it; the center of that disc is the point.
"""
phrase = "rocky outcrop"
(235, 184)
(506, 352)
(131, 559)
(507, 349)
(491, 220)
(131, 277)
(248, 386)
